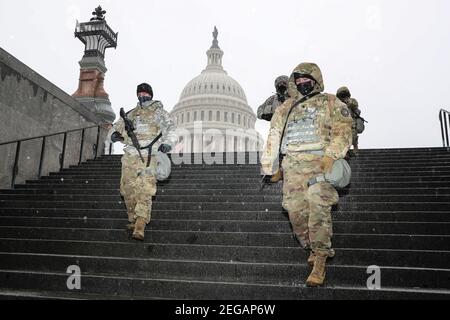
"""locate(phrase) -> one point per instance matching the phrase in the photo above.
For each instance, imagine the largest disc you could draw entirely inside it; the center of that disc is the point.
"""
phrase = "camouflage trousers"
(137, 189)
(309, 208)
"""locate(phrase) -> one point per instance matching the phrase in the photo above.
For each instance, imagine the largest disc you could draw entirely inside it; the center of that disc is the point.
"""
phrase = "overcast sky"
(393, 55)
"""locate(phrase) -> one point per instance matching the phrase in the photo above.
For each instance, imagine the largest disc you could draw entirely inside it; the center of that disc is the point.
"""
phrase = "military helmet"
(281, 80)
(340, 174)
(144, 87)
(343, 93)
(163, 166)
(353, 103)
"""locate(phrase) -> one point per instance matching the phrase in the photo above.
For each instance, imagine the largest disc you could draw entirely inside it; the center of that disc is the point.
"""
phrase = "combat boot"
(317, 276)
(139, 229)
(311, 259)
(131, 219)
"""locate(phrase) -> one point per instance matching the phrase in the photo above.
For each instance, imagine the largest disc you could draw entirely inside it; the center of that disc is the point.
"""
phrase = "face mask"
(305, 88)
(281, 89)
(144, 99)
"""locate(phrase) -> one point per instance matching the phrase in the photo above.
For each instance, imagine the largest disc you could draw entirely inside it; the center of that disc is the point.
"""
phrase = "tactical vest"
(146, 124)
(308, 127)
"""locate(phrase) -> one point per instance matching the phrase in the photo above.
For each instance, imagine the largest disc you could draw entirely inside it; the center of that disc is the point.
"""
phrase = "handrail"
(15, 169)
(50, 135)
(444, 118)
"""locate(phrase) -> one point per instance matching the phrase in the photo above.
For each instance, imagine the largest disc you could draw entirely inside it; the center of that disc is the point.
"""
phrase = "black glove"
(267, 116)
(165, 148)
(116, 136)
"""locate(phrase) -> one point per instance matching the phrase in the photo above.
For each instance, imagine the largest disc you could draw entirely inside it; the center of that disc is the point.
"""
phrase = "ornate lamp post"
(97, 36)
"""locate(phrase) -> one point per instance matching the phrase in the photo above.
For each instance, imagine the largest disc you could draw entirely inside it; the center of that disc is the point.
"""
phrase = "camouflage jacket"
(149, 120)
(353, 105)
(332, 123)
(269, 106)
(273, 102)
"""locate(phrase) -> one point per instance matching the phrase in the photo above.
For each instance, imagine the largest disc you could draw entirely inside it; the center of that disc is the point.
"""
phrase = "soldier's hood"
(310, 69)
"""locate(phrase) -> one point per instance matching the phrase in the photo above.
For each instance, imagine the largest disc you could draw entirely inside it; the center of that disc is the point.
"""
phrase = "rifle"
(129, 127)
(265, 180)
(357, 116)
(268, 179)
(282, 97)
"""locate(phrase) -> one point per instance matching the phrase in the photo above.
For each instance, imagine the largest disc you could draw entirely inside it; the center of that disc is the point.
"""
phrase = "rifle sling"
(149, 147)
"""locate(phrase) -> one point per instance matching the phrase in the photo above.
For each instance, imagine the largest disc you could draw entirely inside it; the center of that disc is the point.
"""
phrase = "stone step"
(255, 182)
(274, 215)
(256, 170)
(371, 150)
(437, 160)
(8, 294)
(201, 290)
(342, 206)
(242, 155)
(162, 197)
(344, 256)
(207, 159)
(366, 162)
(243, 178)
(353, 227)
(241, 272)
(402, 150)
(361, 241)
(268, 190)
(232, 185)
(240, 175)
(240, 206)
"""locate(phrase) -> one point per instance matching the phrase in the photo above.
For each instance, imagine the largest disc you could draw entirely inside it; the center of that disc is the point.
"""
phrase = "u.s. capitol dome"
(213, 111)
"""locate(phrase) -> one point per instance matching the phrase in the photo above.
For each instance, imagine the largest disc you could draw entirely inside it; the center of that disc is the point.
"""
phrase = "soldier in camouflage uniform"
(266, 110)
(138, 183)
(311, 130)
(344, 95)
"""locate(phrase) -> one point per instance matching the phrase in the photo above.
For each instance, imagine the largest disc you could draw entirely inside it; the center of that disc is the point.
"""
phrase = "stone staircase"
(215, 235)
